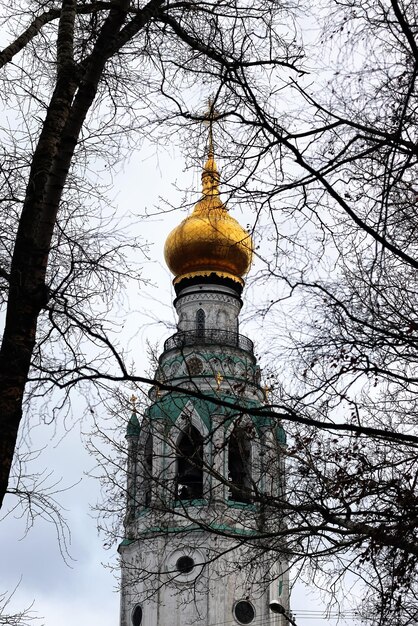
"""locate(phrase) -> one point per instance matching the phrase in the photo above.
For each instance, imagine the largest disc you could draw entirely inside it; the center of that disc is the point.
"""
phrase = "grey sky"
(85, 591)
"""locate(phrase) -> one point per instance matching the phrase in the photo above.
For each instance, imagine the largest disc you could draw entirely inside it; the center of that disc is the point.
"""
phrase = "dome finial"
(210, 119)
(210, 174)
(209, 241)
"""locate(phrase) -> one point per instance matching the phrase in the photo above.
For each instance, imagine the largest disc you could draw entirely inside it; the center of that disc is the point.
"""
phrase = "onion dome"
(209, 241)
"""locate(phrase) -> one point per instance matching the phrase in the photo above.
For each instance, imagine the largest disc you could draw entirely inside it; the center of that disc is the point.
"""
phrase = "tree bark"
(73, 95)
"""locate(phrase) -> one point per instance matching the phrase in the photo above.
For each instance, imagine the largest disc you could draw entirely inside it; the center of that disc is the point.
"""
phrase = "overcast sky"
(84, 591)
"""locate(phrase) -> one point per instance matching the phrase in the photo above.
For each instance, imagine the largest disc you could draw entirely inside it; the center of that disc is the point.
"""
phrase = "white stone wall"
(220, 304)
(224, 572)
(204, 597)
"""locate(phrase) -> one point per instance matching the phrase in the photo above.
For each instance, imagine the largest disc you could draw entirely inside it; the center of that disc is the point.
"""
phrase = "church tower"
(201, 466)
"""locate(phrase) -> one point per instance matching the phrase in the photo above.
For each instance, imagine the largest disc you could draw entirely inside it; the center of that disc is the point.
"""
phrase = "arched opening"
(189, 463)
(148, 470)
(239, 465)
(137, 616)
(200, 322)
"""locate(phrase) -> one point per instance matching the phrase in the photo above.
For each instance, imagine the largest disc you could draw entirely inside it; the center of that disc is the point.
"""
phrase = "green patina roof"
(133, 429)
(171, 406)
(281, 435)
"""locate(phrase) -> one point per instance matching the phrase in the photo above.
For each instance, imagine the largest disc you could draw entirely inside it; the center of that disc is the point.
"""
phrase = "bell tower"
(203, 461)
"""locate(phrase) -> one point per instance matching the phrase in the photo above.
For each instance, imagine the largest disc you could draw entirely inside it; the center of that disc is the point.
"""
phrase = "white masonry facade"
(203, 461)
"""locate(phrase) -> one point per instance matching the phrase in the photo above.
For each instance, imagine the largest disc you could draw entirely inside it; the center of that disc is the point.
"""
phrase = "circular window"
(185, 564)
(244, 612)
(194, 366)
(137, 616)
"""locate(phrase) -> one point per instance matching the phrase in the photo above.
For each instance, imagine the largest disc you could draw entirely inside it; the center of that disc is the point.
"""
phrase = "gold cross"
(211, 116)
(219, 378)
(133, 399)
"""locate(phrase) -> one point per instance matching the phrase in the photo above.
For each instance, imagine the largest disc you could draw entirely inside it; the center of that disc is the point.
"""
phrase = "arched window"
(189, 465)
(137, 616)
(147, 484)
(200, 322)
(239, 465)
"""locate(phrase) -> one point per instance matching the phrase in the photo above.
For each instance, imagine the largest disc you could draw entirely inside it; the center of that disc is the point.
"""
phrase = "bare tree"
(20, 618)
(330, 172)
(341, 277)
(76, 73)
(331, 181)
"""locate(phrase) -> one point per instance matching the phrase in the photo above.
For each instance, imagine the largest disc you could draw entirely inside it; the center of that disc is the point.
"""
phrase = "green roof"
(171, 405)
(133, 429)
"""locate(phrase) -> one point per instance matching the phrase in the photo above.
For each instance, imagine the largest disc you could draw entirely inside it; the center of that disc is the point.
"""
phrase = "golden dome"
(209, 240)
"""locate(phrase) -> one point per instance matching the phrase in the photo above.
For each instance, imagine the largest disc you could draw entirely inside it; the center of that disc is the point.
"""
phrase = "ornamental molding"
(213, 297)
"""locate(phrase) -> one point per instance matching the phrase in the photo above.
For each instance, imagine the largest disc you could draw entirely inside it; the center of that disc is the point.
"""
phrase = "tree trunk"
(51, 162)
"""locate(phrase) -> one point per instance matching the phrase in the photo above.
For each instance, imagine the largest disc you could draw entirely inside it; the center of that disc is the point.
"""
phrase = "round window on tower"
(244, 612)
(184, 564)
(137, 616)
(194, 366)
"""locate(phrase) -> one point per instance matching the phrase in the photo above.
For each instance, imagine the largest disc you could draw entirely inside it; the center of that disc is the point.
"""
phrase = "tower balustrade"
(207, 337)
